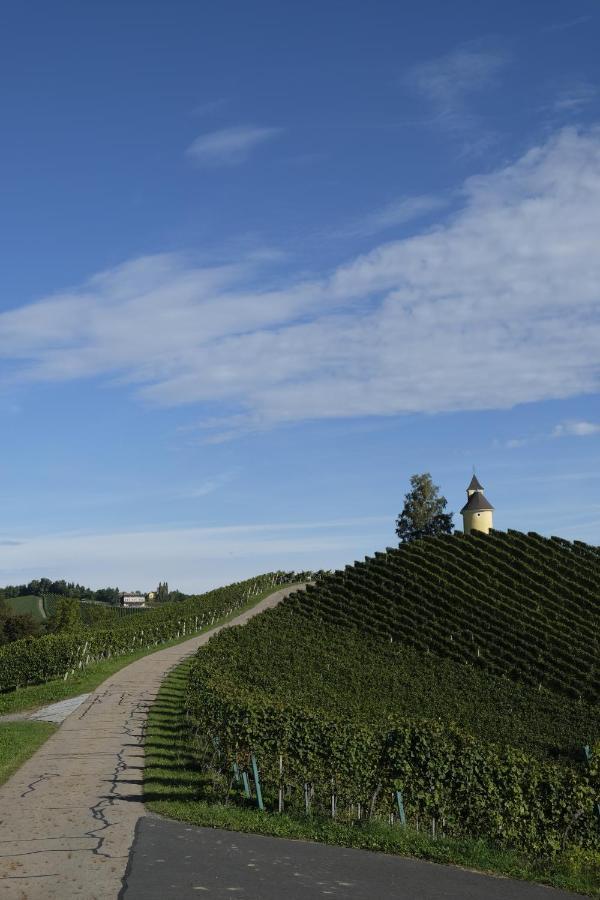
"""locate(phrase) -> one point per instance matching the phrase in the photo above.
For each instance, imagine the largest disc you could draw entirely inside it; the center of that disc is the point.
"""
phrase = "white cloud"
(569, 23)
(571, 99)
(210, 485)
(208, 107)
(498, 306)
(393, 214)
(190, 559)
(576, 429)
(448, 82)
(229, 146)
(569, 428)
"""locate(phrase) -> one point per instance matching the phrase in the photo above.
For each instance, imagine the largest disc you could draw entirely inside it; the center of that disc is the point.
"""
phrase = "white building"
(132, 600)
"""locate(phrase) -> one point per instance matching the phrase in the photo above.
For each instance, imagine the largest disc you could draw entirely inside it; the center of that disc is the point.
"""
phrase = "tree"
(424, 511)
(162, 593)
(107, 595)
(67, 616)
(19, 626)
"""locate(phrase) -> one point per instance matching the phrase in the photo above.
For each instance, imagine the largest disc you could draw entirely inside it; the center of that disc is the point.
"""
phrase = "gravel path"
(68, 816)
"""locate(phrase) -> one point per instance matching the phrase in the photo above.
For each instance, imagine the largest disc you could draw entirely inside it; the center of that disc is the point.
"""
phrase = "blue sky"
(261, 262)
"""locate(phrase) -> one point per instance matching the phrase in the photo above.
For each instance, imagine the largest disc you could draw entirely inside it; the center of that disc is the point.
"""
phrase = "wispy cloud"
(573, 98)
(509, 286)
(569, 428)
(208, 107)
(569, 23)
(192, 559)
(211, 485)
(400, 212)
(450, 82)
(229, 146)
(576, 429)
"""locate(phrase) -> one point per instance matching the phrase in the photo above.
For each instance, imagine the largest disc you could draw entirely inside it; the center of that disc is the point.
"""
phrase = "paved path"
(55, 712)
(68, 816)
(173, 861)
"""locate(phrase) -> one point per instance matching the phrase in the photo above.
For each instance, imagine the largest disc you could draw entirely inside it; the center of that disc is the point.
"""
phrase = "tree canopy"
(424, 512)
(67, 616)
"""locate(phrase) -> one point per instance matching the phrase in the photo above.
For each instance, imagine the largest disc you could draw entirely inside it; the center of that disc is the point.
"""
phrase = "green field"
(28, 604)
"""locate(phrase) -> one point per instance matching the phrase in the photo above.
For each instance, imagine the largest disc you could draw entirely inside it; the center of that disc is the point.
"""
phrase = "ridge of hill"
(513, 604)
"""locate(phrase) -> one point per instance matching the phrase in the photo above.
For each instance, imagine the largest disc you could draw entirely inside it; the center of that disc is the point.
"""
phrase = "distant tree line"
(45, 587)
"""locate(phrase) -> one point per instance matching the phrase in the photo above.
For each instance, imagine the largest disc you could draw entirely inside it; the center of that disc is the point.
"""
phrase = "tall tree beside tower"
(424, 512)
(162, 592)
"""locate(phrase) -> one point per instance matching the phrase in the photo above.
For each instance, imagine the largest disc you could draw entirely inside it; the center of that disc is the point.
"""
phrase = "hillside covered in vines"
(459, 671)
(512, 604)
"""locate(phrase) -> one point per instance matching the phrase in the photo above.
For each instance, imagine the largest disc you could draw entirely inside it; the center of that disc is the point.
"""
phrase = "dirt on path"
(68, 815)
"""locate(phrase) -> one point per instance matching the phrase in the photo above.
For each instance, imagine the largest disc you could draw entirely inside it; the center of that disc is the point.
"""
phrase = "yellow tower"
(477, 512)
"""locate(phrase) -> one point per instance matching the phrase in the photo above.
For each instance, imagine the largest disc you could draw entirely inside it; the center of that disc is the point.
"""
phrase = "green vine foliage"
(292, 661)
(468, 786)
(510, 604)
(36, 660)
(460, 671)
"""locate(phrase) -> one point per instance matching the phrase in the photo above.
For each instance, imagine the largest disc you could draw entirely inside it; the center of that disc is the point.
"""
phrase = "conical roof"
(474, 485)
(476, 503)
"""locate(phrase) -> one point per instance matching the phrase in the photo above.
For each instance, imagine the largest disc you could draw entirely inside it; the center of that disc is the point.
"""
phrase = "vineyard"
(518, 605)
(36, 660)
(450, 684)
(91, 611)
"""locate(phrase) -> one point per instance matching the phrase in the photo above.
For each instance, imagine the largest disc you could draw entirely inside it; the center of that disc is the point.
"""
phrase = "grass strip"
(176, 787)
(36, 695)
(18, 741)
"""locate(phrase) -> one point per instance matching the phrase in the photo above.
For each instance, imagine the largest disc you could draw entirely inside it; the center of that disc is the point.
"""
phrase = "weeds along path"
(68, 815)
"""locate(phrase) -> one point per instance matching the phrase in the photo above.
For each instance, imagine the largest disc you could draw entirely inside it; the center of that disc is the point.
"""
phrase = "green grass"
(28, 604)
(36, 695)
(18, 740)
(177, 787)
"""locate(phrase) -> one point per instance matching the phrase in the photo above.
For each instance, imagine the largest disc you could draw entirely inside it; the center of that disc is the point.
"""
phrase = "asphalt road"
(174, 861)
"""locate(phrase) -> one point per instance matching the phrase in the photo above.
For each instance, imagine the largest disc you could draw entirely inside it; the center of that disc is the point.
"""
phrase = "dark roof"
(476, 503)
(475, 486)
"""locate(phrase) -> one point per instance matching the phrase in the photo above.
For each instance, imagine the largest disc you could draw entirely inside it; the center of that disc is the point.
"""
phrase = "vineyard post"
(588, 757)
(400, 803)
(259, 798)
(280, 804)
(246, 783)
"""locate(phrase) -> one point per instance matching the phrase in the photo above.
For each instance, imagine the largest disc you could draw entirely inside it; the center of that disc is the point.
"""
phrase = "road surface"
(68, 815)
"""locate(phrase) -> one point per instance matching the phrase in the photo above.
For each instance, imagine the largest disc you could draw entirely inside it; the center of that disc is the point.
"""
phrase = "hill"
(459, 670)
(28, 604)
(513, 604)
(288, 661)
